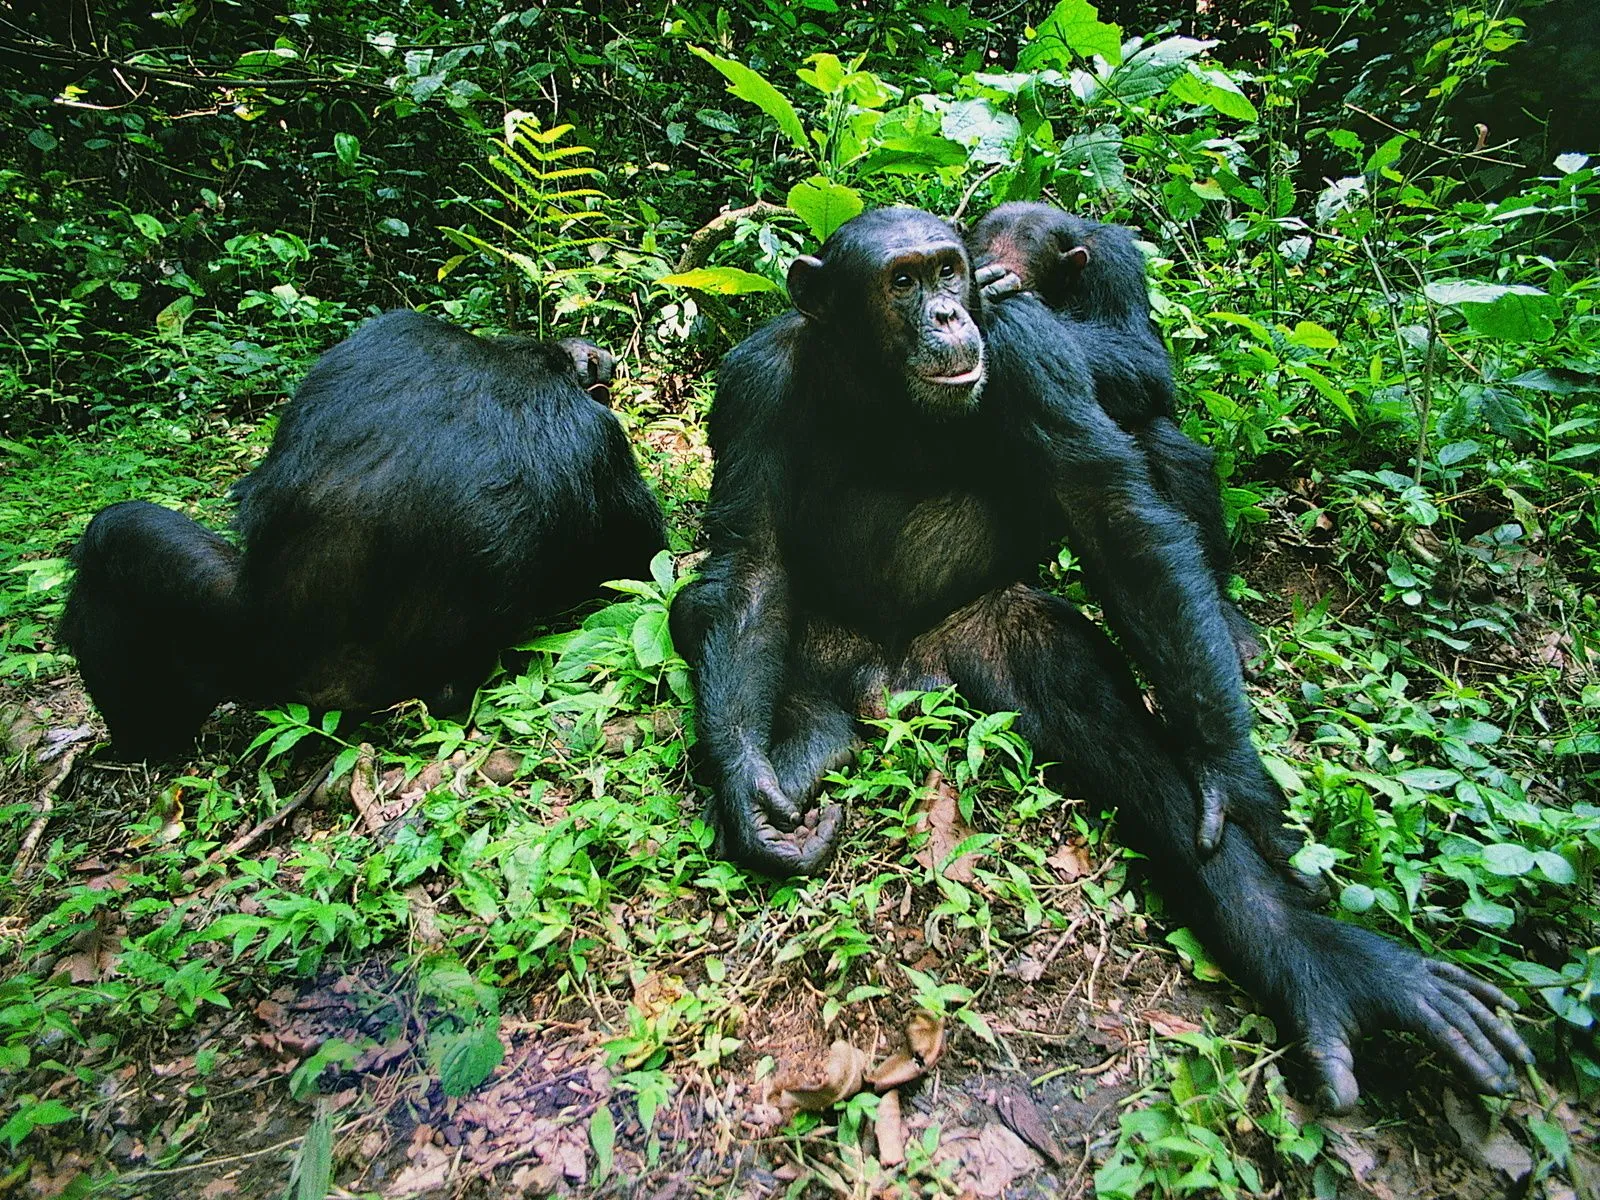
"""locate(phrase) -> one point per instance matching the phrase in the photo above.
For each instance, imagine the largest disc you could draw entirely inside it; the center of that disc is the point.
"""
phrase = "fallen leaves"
(939, 816)
(841, 1077)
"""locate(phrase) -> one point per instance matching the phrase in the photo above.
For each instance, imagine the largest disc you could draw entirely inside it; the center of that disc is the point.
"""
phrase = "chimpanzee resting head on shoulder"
(1088, 269)
(893, 286)
(428, 496)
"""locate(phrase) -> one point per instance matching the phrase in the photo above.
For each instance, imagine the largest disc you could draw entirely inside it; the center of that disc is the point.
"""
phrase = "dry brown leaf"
(1487, 1141)
(655, 994)
(218, 1188)
(939, 816)
(898, 1069)
(842, 1077)
(992, 1159)
(364, 788)
(1071, 860)
(428, 1170)
(94, 956)
(1168, 1024)
(890, 1131)
(1023, 1118)
(501, 766)
(925, 1035)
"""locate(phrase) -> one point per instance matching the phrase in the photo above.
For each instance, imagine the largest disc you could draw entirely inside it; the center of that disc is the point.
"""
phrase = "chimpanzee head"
(1045, 248)
(895, 284)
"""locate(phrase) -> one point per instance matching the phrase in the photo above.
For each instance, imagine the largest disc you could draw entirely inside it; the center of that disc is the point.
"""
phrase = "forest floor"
(1030, 1016)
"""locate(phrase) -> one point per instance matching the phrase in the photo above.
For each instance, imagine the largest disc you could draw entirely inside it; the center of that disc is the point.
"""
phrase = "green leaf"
(824, 205)
(724, 281)
(170, 320)
(1210, 86)
(1516, 312)
(394, 227)
(1152, 70)
(1490, 915)
(348, 147)
(1356, 898)
(149, 226)
(1507, 858)
(1429, 779)
(990, 136)
(1073, 27)
(1554, 867)
(469, 1057)
(603, 1137)
(1191, 951)
(749, 85)
(42, 139)
(651, 643)
(314, 1166)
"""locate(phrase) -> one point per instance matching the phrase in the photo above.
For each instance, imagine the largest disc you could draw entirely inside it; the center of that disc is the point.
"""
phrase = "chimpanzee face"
(896, 283)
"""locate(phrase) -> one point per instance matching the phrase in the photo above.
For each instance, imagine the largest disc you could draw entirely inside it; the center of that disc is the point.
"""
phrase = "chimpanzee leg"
(1026, 651)
(1185, 473)
(812, 735)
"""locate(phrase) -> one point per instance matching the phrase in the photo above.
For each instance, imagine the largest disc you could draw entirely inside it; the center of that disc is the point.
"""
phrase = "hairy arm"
(1142, 557)
(734, 622)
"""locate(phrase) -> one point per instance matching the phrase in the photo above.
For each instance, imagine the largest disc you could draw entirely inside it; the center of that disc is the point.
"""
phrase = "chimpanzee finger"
(1472, 1025)
(775, 803)
(996, 282)
(1501, 1032)
(1482, 1073)
(1485, 991)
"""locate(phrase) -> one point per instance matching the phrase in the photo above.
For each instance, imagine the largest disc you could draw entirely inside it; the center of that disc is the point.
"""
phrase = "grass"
(528, 906)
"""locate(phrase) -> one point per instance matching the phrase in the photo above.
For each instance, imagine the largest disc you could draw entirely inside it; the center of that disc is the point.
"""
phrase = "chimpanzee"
(1093, 275)
(427, 497)
(887, 479)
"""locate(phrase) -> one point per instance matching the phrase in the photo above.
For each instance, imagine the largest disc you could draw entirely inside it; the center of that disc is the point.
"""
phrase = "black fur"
(428, 496)
(1107, 298)
(863, 538)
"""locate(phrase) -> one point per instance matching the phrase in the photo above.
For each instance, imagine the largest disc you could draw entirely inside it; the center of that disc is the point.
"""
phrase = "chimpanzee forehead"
(889, 233)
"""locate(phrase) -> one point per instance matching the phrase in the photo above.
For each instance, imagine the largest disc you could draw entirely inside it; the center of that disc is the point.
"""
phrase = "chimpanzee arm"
(1141, 555)
(733, 623)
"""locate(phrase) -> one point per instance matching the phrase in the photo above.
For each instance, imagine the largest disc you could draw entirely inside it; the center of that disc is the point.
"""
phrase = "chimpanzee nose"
(945, 314)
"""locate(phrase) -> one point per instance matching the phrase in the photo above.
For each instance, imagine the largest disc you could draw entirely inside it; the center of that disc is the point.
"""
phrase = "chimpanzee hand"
(1365, 982)
(595, 367)
(764, 829)
(1236, 788)
(997, 281)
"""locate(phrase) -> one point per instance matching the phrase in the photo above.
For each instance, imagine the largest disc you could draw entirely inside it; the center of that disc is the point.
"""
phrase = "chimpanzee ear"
(1075, 259)
(808, 288)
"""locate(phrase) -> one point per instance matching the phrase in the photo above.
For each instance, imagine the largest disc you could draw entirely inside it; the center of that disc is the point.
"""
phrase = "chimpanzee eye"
(902, 281)
(947, 271)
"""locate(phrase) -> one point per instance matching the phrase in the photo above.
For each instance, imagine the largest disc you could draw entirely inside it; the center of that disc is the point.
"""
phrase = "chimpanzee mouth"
(967, 378)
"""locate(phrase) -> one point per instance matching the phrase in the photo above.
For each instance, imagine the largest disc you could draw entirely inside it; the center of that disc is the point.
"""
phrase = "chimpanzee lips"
(965, 378)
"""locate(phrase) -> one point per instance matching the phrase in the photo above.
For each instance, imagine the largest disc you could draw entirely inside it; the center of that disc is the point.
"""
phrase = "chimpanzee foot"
(1363, 983)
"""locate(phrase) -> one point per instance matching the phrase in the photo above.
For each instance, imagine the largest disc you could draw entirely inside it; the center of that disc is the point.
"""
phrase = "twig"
(245, 841)
(46, 804)
(718, 230)
(1422, 141)
(955, 217)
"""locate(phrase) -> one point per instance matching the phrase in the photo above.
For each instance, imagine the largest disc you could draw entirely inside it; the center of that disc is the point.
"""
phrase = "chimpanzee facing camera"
(429, 495)
(892, 463)
(1093, 275)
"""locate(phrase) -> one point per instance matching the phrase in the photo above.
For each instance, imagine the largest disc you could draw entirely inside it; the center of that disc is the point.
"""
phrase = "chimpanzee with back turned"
(1093, 275)
(887, 481)
(428, 496)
